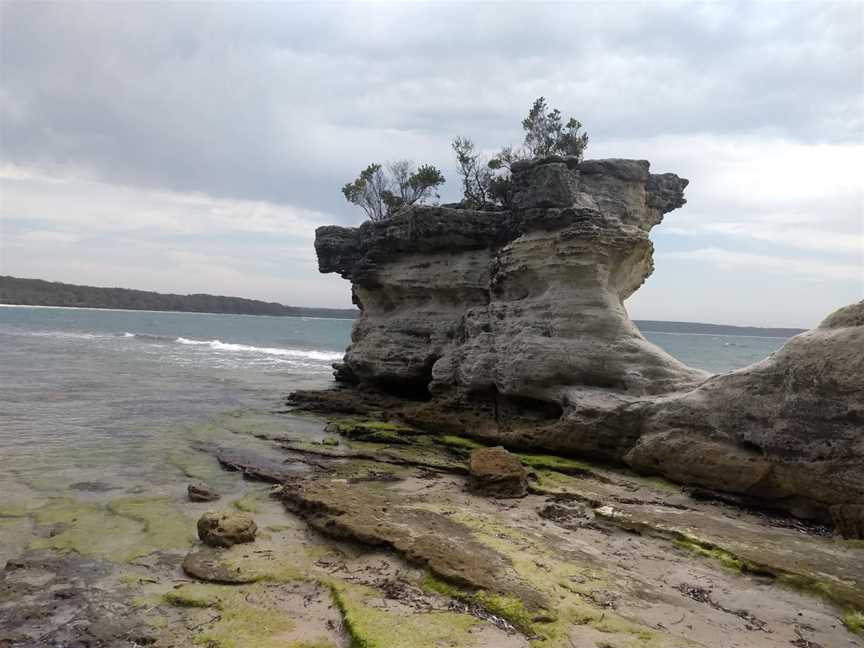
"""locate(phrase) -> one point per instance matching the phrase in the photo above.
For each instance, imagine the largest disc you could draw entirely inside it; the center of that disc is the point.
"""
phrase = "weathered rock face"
(526, 304)
(789, 429)
(513, 324)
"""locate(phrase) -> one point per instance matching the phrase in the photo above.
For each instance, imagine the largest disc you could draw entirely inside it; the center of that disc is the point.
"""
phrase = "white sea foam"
(66, 334)
(219, 345)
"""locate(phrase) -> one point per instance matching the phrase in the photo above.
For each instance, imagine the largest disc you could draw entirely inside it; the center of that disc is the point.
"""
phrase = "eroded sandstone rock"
(510, 327)
(497, 473)
(226, 528)
(788, 430)
(523, 308)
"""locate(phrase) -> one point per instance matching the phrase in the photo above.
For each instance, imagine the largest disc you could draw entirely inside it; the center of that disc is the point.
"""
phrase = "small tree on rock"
(545, 134)
(476, 173)
(382, 193)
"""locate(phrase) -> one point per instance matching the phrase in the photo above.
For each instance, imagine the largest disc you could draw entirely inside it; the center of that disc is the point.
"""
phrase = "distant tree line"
(36, 292)
(382, 191)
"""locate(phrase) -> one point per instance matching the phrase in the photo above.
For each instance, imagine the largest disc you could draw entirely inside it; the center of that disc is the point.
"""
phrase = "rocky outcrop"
(789, 429)
(526, 304)
(511, 327)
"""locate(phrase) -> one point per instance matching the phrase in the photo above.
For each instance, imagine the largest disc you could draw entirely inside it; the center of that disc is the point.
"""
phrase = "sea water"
(101, 404)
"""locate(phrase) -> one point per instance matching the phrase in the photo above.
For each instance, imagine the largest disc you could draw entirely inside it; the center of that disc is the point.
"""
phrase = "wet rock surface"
(255, 466)
(226, 528)
(48, 599)
(422, 536)
(207, 564)
(383, 542)
(497, 473)
(201, 492)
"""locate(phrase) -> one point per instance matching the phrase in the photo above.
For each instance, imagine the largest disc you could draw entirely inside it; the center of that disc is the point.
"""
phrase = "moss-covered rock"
(372, 627)
(125, 529)
(226, 528)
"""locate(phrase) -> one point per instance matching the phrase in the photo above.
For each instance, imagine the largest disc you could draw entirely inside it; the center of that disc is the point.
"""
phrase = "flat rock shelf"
(382, 537)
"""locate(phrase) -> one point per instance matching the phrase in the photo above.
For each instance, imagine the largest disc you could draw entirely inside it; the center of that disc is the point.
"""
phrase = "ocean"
(96, 404)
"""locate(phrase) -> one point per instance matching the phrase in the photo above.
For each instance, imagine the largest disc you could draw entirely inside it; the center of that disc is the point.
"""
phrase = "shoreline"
(351, 319)
(136, 310)
(591, 552)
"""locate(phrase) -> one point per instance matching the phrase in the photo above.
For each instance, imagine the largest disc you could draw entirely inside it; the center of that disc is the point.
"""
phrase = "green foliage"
(545, 134)
(367, 192)
(380, 193)
(476, 173)
(487, 183)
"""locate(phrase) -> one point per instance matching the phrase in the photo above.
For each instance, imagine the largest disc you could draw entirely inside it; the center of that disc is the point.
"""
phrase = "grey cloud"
(285, 102)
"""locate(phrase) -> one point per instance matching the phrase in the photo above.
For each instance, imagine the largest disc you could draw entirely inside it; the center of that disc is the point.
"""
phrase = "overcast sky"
(194, 148)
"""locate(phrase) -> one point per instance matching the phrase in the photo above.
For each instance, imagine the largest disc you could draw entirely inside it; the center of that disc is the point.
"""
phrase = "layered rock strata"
(513, 324)
(526, 303)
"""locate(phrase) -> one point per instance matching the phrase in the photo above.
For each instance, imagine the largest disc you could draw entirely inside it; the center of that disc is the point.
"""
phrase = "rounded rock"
(226, 528)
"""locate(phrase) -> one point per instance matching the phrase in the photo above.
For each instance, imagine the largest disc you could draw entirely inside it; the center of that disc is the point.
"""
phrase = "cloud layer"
(221, 133)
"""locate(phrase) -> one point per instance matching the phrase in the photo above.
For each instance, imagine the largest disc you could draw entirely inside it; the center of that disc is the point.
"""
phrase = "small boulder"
(497, 473)
(207, 564)
(226, 528)
(201, 492)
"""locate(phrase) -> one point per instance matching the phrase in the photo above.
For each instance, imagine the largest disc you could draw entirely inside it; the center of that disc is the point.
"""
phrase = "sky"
(191, 147)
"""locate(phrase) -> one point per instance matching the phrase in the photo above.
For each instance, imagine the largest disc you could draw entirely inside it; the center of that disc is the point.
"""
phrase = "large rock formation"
(526, 303)
(513, 323)
(789, 429)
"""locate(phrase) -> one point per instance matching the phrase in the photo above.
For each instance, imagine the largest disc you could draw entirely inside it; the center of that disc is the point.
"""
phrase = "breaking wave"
(219, 345)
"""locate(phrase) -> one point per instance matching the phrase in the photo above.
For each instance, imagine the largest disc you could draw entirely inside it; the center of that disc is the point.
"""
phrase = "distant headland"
(38, 292)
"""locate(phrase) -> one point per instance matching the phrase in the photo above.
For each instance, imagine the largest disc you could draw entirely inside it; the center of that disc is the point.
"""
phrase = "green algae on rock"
(193, 595)
(459, 443)
(165, 525)
(372, 627)
(125, 529)
(444, 546)
(562, 581)
(854, 621)
(248, 504)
